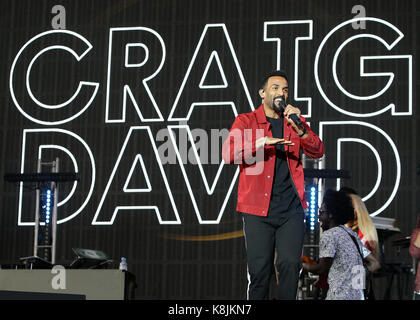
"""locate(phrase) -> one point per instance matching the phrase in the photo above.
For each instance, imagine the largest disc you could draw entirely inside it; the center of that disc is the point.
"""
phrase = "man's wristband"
(303, 133)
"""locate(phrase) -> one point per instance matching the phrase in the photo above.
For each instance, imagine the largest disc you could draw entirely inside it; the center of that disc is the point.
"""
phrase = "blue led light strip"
(312, 208)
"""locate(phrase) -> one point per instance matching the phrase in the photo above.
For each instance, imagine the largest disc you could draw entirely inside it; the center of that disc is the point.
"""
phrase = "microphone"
(280, 105)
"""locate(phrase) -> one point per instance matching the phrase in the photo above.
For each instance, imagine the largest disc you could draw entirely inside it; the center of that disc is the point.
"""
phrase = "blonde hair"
(363, 221)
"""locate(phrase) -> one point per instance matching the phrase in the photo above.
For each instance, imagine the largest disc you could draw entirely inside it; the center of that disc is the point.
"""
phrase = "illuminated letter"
(217, 209)
(212, 87)
(20, 79)
(364, 135)
(149, 197)
(46, 145)
(365, 103)
(133, 53)
(278, 32)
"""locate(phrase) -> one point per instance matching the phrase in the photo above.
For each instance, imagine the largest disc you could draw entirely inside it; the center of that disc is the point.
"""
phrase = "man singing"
(266, 143)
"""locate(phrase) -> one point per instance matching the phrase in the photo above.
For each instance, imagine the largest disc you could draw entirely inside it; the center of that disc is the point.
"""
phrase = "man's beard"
(277, 107)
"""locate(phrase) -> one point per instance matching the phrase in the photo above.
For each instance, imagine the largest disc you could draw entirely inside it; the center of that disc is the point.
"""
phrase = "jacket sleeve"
(239, 146)
(312, 145)
(414, 251)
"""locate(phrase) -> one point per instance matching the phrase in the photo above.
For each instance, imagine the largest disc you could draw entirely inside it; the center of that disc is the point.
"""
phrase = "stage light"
(47, 206)
(312, 206)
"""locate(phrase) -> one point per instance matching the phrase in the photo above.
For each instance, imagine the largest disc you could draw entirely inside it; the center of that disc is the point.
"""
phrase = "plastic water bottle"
(123, 264)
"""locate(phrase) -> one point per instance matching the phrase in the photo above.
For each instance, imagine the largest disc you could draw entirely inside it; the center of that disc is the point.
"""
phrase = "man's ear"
(261, 92)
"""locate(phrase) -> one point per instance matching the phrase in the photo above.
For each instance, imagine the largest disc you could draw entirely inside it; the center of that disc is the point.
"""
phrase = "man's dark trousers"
(283, 232)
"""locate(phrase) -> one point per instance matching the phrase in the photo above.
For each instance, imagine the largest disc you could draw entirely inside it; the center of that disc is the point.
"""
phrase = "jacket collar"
(260, 114)
(262, 118)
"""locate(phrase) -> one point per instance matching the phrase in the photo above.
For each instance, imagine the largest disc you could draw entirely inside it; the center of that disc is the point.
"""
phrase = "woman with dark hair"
(339, 257)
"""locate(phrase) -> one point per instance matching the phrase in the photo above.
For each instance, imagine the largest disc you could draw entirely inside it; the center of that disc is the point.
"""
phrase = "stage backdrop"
(137, 96)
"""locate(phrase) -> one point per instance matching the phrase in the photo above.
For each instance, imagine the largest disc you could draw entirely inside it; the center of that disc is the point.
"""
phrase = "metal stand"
(306, 290)
(45, 232)
(314, 232)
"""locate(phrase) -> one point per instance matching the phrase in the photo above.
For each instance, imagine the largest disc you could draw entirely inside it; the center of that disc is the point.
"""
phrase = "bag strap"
(368, 291)
(355, 242)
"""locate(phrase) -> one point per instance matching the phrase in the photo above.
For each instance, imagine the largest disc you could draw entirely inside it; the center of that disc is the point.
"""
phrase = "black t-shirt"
(284, 197)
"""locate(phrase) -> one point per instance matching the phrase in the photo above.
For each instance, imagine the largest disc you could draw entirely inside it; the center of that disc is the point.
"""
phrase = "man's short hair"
(339, 206)
(277, 73)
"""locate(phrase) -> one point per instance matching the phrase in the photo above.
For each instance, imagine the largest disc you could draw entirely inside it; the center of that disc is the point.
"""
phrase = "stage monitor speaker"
(35, 262)
(90, 259)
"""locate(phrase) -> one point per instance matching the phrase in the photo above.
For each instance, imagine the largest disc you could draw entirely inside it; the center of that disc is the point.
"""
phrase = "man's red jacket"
(257, 166)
